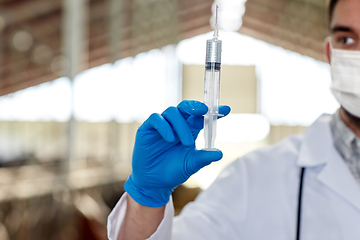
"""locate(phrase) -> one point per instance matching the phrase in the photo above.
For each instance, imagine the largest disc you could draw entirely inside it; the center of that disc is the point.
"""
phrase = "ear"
(327, 49)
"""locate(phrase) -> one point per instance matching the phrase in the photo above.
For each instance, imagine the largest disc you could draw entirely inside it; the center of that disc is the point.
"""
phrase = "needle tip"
(216, 14)
(216, 27)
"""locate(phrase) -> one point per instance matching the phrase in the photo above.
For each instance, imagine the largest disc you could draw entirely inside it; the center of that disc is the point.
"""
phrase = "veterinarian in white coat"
(305, 187)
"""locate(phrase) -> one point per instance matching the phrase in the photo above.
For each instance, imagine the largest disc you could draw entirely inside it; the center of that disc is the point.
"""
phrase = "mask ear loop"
(328, 40)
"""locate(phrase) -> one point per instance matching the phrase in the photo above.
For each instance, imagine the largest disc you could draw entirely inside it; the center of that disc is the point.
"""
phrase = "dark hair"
(331, 9)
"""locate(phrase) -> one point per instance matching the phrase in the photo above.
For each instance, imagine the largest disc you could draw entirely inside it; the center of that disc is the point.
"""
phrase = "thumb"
(200, 158)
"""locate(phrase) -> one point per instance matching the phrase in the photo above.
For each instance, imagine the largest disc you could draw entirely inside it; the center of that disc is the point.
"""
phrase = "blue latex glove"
(164, 154)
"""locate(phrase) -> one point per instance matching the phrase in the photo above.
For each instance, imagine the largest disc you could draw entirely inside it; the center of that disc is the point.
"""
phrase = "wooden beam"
(19, 11)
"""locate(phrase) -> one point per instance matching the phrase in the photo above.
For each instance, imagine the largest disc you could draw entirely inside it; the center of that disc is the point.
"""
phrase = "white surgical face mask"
(345, 85)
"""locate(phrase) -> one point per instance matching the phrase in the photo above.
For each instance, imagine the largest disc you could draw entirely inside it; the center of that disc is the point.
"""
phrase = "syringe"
(212, 86)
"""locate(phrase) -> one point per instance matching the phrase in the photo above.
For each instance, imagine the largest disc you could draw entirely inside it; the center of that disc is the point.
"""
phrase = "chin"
(353, 118)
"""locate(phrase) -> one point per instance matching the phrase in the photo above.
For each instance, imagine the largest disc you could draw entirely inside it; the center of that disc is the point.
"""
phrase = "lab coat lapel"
(337, 176)
(318, 149)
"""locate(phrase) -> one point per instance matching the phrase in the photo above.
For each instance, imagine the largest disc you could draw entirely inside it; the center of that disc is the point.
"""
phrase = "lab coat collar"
(318, 149)
(316, 144)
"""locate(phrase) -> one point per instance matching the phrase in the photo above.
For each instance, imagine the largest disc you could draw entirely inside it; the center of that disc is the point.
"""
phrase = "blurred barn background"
(77, 78)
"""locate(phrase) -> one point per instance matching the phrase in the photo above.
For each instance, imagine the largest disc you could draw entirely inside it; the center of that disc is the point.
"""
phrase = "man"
(306, 187)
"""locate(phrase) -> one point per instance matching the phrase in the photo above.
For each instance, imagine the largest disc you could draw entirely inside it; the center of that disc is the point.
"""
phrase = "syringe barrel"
(211, 99)
(212, 74)
(212, 86)
(213, 51)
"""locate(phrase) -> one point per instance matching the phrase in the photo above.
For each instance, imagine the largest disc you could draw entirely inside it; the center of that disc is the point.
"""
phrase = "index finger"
(224, 110)
(192, 108)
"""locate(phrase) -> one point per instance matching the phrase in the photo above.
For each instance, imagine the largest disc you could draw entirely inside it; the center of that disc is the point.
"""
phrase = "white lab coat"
(256, 197)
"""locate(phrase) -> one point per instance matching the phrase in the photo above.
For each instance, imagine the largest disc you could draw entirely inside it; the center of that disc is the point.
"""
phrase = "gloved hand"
(164, 154)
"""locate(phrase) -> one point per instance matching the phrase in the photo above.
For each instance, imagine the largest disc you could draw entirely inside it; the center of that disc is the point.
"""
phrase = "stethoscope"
(299, 204)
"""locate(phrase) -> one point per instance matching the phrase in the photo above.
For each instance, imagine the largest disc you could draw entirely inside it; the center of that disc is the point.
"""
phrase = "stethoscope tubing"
(299, 203)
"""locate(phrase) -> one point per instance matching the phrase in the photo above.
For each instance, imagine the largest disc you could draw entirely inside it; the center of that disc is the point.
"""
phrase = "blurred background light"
(238, 128)
(93, 94)
(45, 102)
(230, 14)
(22, 41)
(42, 54)
(242, 128)
(60, 65)
(127, 91)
